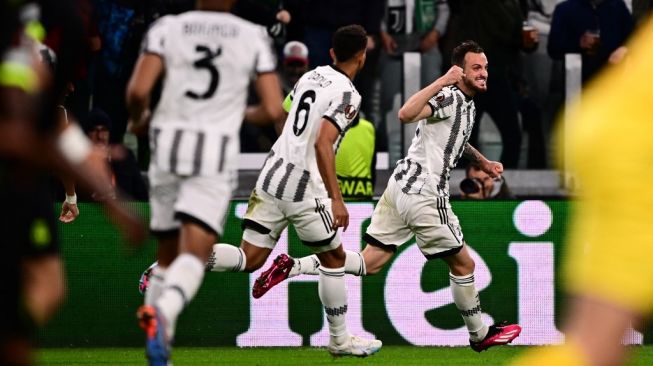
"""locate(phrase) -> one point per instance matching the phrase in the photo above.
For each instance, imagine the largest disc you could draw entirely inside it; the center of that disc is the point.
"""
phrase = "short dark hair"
(458, 55)
(347, 41)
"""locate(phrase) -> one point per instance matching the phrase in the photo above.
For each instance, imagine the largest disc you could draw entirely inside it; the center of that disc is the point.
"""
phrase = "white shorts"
(399, 216)
(267, 217)
(200, 199)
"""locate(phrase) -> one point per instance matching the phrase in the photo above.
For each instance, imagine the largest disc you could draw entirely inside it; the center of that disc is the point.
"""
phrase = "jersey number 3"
(206, 63)
(305, 106)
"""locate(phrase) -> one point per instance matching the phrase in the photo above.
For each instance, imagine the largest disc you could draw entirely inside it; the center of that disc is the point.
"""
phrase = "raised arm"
(417, 106)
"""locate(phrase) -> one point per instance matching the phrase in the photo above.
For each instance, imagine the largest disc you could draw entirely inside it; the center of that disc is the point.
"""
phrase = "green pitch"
(389, 355)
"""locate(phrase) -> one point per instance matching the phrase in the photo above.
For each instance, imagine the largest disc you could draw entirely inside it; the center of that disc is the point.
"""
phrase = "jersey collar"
(467, 97)
(339, 70)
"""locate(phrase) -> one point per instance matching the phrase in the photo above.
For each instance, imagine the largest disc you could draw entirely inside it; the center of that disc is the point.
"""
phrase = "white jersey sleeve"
(265, 58)
(155, 38)
(442, 105)
(343, 108)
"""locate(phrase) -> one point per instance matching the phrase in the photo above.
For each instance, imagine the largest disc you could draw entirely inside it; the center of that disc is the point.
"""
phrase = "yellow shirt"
(610, 246)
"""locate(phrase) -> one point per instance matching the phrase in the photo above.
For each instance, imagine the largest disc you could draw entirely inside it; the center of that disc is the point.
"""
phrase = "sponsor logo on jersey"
(350, 111)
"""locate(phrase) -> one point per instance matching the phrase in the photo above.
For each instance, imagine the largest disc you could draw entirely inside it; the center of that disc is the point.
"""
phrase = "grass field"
(389, 355)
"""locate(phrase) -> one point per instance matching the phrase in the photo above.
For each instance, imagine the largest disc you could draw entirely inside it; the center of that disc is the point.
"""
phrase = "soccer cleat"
(355, 346)
(144, 281)
(497, 335)
(278, 272)
(157, 347)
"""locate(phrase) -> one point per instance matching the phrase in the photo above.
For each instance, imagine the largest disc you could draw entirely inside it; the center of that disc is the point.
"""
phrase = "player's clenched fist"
(454, 75)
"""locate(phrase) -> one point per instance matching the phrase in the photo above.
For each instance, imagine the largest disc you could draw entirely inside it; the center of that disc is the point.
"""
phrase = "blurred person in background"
(33, 144)
(294, 64)
(478, 185)
(124, 172)
(609, 144)
(596, 29)
(408, 26)
(356, 161)
(497, 26)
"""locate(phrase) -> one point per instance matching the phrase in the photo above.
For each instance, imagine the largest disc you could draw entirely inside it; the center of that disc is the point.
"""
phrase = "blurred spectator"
(408, 26)
(294, 64)
(597, 29)
(355, 161)
(478, 185)
(497, 27)
(125, 174)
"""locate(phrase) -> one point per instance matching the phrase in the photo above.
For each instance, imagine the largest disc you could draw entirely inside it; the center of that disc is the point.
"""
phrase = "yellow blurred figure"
(608, 267)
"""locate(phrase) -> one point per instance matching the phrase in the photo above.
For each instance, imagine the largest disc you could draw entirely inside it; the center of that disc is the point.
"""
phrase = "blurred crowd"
(525, 41)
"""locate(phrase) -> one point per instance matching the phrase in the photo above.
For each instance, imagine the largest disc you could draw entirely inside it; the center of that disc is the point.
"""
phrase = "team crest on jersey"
(350, 111)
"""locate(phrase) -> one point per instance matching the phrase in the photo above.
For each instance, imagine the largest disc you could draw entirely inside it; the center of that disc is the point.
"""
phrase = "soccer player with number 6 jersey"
(298, 185)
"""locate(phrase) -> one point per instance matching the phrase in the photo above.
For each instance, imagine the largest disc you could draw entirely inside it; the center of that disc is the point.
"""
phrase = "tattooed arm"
(493, 168)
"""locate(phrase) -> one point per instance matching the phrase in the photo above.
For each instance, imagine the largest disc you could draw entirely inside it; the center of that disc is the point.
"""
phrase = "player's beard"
(470, 83)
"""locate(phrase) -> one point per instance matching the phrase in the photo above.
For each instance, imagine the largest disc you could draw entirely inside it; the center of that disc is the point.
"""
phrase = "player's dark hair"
(347, 41)
(458, 55)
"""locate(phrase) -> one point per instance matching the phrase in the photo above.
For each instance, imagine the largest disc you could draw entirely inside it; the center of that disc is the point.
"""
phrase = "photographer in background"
(478, 185)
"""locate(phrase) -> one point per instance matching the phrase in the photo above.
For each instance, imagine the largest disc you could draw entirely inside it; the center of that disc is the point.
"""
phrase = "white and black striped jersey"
(438, 144)
(210, 58)
(290, 173)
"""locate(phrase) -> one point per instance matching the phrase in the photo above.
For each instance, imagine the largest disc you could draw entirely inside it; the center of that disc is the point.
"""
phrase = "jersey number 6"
(305, 106)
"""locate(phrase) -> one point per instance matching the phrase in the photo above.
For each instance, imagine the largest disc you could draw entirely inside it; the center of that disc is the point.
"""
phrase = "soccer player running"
(207, 57)
(416, 200)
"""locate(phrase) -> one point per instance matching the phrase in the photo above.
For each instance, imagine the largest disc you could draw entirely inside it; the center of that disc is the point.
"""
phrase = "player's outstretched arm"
(326, 163)
(416, 107)
(492, 168)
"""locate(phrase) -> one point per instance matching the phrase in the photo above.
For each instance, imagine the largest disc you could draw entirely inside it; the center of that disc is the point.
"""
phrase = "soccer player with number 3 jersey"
(206, 58)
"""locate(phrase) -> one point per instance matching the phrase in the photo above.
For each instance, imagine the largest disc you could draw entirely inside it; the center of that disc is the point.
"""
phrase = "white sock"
(155, 287)
(226, 258)
(354, 265)
(183, 279)
(466, 298)
(333, 294)
(309, 265)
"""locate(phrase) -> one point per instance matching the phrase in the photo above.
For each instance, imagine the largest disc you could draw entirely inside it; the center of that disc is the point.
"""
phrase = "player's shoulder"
(448, 95)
